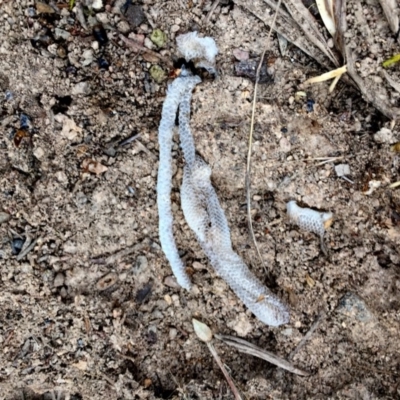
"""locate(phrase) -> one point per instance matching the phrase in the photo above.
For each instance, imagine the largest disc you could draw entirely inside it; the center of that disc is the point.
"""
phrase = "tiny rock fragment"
(240, 55)
(61, 34)
(87, 57)
(93, 166)
(384, 135)
(81, 88)
(248, 69)
(43, 8)
(16, 245)
(144, 293)
(158, 37)
(97, 4)
(123, 27)
(59, 280)
(342, 169)
(198, 266)
(283, 43)
(171, 282)
(168, 299)
(4, 217)
(202, 331)
(157, 73)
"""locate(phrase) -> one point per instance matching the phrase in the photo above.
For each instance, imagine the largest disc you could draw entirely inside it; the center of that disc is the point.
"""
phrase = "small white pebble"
(175, 28)
(342, 169)
(172, 333)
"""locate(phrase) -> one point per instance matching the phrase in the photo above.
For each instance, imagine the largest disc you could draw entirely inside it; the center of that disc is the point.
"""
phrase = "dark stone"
(134, 14)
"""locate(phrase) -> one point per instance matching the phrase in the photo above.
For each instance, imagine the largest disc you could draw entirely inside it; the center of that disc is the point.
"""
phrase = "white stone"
(97, 4)
(385, 135)
(81, 88)
(342, 169)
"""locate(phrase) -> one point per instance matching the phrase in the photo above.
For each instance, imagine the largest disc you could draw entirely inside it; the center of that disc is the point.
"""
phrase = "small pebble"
(63, 292)
(175, 28)
(16, 246)
(97, 4)
(81, 88)
(123, 26)
(43, 8)
(310, 105)
(240, 55)
(144, 293)
(4, 217)
(168, 299)
(198, 266)
(170, 281)
(9, 95)
(172, 333)
(385, 135)
(59, 280)
(342, 169)
(134, 14)
(61, 34)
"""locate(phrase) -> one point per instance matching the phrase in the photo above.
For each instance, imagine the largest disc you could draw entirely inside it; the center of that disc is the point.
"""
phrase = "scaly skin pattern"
(201, 207)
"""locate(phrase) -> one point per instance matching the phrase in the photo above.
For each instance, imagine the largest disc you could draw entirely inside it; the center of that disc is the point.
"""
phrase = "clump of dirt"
(89, 305)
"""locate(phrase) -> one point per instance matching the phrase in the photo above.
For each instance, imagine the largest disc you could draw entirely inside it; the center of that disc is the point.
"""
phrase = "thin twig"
(250, 145)
(224, 371)
(249, 348)
(203, 332)
(129, 140)
(307, 336)
(212, 9)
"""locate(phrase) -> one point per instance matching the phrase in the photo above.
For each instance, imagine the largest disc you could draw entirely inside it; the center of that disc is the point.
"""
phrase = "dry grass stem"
(336, 73)
(325, 8)
(249, 348)
(203, 332)
(225, 372)
(394, 185)
(391, 10)
(310, 27)
(250, 145)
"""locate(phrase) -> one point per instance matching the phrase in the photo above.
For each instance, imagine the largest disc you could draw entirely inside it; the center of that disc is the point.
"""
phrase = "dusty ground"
(92, 311)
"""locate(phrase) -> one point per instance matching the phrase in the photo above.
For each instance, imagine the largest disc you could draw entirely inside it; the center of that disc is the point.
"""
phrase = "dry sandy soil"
(92, 311)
